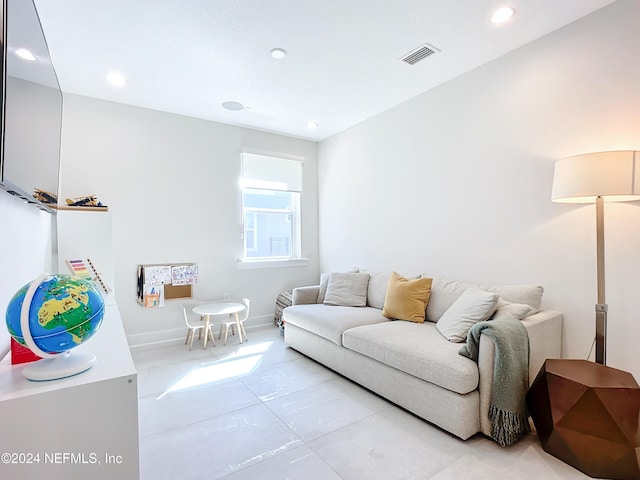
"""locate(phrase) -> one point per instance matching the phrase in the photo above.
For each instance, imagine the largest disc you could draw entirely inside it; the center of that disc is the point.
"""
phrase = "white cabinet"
(81, 427)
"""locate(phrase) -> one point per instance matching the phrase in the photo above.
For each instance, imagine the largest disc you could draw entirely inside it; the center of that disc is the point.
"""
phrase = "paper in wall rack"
(159, 282)
(87, 270)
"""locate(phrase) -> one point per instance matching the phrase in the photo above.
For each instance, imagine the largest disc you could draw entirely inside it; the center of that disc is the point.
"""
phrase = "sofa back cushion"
(445, 292)
(377, 289)
(527, 294)
(506, 310)
(324, 280)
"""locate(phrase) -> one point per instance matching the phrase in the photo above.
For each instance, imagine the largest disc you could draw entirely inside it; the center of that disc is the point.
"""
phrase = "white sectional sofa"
(413, 364)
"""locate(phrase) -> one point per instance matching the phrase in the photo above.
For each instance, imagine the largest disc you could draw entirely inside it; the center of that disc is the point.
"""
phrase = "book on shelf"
(85, 268)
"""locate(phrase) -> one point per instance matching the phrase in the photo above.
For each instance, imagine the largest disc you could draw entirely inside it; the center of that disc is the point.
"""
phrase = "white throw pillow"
(347, 289)
(505, 310)
(474, 305)
(444, 293)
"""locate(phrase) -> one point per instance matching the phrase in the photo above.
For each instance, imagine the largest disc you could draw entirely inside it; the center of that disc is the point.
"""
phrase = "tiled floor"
(262, 411)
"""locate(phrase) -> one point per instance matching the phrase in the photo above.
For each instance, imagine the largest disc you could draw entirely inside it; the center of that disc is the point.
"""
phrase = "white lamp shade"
(614, 176)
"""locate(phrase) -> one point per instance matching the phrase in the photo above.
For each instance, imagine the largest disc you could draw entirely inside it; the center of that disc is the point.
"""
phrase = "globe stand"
(61, 366)
(52, 366)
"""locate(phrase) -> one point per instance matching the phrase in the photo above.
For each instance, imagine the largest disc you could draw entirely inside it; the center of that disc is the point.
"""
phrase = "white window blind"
(271, 173)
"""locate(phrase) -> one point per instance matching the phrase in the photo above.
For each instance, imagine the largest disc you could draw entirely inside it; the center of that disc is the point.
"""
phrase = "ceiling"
(343, 64)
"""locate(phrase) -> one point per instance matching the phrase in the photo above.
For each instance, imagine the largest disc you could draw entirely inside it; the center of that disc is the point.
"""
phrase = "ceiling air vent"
(419, 53)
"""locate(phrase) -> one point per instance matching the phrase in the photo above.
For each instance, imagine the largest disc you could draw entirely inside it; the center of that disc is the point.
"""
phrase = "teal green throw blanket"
(507, 410)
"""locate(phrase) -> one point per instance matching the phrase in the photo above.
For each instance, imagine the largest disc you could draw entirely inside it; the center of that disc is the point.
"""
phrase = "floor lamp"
(598, 178)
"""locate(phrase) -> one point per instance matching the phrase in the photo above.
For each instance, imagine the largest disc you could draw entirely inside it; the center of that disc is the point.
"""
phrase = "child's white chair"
(192, 327)
(231, 323)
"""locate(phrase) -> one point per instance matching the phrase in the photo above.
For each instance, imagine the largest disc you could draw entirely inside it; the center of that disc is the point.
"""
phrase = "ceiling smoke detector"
(419, 53)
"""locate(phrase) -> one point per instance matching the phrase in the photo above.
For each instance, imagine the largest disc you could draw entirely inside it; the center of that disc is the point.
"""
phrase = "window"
(271, 188)
(250, 234)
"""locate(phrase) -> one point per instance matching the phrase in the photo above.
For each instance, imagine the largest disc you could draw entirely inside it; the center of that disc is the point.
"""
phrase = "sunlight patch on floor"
(240, 363)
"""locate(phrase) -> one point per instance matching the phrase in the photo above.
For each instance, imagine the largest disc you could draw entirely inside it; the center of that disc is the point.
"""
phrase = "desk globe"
(52, 315)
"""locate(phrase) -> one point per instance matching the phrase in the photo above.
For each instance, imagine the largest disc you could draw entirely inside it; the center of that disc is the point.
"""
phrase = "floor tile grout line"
(207, 419)
(303, 443)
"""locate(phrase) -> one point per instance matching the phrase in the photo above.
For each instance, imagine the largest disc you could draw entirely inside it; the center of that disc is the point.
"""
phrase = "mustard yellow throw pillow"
(407, 299)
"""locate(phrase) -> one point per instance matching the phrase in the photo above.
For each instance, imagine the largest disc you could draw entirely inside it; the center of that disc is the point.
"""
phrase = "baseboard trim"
(176, 335)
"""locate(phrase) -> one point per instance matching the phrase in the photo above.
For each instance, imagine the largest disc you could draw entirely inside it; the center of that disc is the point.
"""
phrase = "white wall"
(457, 182)
(171, 184)
(25, 251)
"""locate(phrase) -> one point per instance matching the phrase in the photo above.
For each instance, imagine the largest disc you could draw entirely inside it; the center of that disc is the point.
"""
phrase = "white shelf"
(109, 344)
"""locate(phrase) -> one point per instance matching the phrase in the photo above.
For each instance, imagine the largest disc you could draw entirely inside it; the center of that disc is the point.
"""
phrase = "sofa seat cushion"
(330, 321)
(417, 349)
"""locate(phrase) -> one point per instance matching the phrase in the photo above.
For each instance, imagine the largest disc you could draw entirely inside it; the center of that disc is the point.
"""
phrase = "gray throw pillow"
(474, 305)
(324, 280)
(347, 289)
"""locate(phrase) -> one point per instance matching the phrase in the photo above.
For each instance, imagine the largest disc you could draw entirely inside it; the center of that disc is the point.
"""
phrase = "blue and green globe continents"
(65, 312)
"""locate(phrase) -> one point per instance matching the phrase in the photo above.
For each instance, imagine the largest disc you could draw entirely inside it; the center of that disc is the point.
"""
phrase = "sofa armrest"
(305, 295)
(545, 341)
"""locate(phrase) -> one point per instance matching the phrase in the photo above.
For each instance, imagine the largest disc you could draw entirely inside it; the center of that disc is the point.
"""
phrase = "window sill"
(276, 263)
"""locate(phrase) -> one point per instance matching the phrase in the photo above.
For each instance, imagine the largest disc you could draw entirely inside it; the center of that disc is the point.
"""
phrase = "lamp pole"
(601, 306)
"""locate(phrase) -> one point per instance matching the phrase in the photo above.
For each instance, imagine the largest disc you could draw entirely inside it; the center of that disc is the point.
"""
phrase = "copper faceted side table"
(588, 415)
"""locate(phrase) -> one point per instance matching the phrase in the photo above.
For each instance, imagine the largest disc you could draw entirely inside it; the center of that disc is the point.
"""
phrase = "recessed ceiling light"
(278, 53)
(311, 125)
(116, 79)
(502, 15)
(25, 54)
(233, 106)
